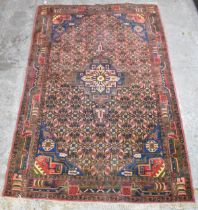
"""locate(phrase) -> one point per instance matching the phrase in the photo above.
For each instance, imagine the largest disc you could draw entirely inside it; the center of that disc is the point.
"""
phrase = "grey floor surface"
(180, 20)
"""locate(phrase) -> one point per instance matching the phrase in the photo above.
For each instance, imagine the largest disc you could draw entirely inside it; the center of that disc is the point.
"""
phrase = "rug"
(99, 118)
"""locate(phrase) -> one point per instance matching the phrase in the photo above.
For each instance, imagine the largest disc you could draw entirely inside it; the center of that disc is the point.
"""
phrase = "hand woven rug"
(99, 119)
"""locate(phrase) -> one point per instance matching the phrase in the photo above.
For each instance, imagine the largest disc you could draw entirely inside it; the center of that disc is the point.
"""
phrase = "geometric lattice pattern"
(99, 119)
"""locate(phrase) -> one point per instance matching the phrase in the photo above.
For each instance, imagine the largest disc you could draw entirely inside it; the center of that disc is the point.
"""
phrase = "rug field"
(99, 117)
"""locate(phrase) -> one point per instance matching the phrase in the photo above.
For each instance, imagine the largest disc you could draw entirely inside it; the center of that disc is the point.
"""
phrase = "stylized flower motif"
(64, 89)
(126, 131)
(113, 131)
(135, 89)
(87, 140)
(50, 115)
(50, 102)
(87, 150)
(149, 102)
(112, 102)
(87, 129)
(88, 115)
(138, 115)
(138, 28)
(75, 102)
(152, 146)
(114, 161)
(86, 162)
(151, 116)
(112, 116)
(52, 88)
(100, 78)
(48, 144)
(88, 102)
(61, 130)
(75, 116)
(101, 131)
(127, 153)
(137, 103)
(139, 131)
(62, 115)
(75, 130)
(100, 146)
(125, 116)
(125, 102)
(63, 102)
(77, 90)
(60, 29)
(73, 147)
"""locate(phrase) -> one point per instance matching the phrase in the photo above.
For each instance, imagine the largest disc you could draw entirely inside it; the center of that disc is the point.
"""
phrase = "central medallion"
(100, 77)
